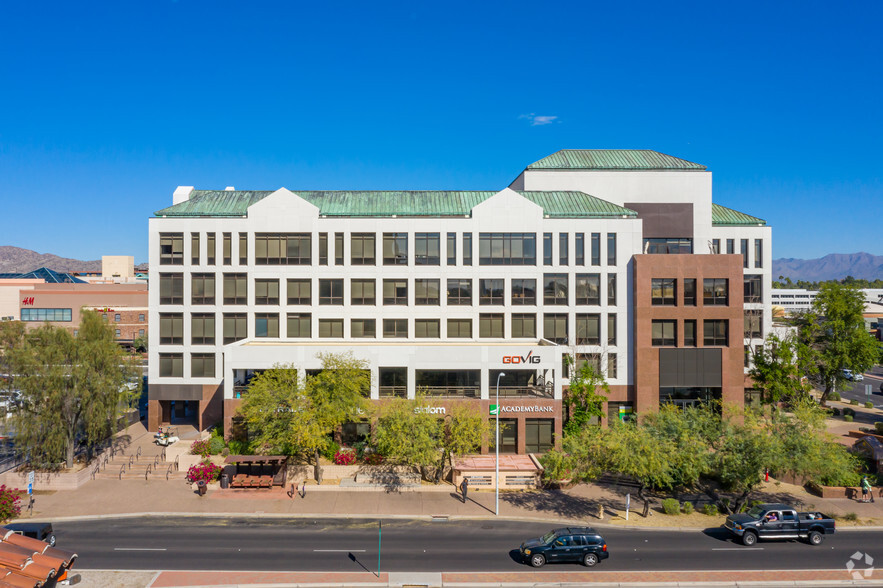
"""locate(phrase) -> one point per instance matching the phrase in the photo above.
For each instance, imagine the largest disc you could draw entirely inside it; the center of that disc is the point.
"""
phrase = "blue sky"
(106, 107)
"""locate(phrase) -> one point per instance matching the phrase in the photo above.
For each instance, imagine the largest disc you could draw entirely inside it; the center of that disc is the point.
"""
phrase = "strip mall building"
(617, 257)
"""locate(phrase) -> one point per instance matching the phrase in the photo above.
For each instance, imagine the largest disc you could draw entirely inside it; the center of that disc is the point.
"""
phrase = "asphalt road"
(237, 544)
(856, 390)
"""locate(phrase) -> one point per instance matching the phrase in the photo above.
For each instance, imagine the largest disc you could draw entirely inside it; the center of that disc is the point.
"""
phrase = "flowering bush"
(205, 472)
(345, 457)
(201, 448)
(373, 459)
(10, 503)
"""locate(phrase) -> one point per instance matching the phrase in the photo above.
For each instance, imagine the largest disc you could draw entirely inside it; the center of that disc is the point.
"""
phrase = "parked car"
(853, 377)
(570, 544)
(779, 521)
(41, 531)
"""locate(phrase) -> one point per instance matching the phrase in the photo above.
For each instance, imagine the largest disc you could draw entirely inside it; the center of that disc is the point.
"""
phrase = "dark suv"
(41, 531)
(570, 544)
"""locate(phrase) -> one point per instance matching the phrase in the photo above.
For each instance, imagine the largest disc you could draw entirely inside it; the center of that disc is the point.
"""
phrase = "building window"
(758, 253)
(202, 289)
(539, 435)
(611, 329)
(753, 324)
(235, 327)
(459, 292)
(690, 333)
(117, 318)
(715, 246)
(611, 289)
(612, 365)
(563, 239)
(467, 248)
(490, 326)
(363, 292)
(140, 318)
(690, 292)
(596, 248)
(171, 248)
(266, 291)
(664, 333)
(555, 289)
(202, 329)
(395, 249)
(668, 246)
(266, 325)
(363, 328)
(171, 289)
(298, 325)
(171, 329)
(555, 328)
(524, 292)
(491, 292)
(588, 329)
(611, 248)
(452, 249)
(171, 365)
(460, 328)
(588, 289)
(282, 249)
(235, 288)
(211, 248)
(744, 245)
(715, 291)
(331, 292)
(331, 328)
(524, 326)
(323, 248)
(202, 365)
(243, 248)
(716, 332)
(753, 289)
(427, 328)
(426, 292)
(117, 332)
(395, 328)
(338, 249)
(663, 292)
(507, 249)
(228, 249)
(547, 248)
(579, 252)
(395, 292)
(731, 249)
(362, 249)
(427, 249)
(140, 332)
(194, 248)
(299, 292)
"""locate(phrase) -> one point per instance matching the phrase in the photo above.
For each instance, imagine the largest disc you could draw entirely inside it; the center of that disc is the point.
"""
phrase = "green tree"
(73, 389)
(462, 432)
(776, 369)
(405, 432)
(832, 337)
(582, 398)
(11, 337)
(632, 450)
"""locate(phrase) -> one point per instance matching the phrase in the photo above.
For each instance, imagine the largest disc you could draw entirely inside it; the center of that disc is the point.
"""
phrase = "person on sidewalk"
(303, 490)
(867, 496)
(464, 488)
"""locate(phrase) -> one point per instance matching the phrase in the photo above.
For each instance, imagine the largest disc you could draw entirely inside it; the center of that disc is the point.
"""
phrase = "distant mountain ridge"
(17, 260)
(834, 266)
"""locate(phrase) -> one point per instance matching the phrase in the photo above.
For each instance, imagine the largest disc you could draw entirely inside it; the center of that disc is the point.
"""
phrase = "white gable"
(506, 209)
(283, 204)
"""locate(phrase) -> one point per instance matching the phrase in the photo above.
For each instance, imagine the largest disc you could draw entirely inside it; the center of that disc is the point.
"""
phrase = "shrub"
(848, 411)
(359, 447)
(201, 448)
(331, 450)
(835, 412)
(216, 445)
(869, 404)
(834, 396)
(10, 503)
(710, 510)
(878, 426)
(688, 508)
(854, 402)
(345, 457)
(205, 471)
(374, 459)
(848, 418)
(850, 516)
(225, 452)
(240, 447)
(671, 506)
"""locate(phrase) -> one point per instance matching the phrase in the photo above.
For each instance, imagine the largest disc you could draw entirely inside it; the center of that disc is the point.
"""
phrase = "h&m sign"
(27, 301)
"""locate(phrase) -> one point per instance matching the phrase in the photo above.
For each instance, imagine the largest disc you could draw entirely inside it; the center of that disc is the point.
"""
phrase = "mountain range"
(17, 260)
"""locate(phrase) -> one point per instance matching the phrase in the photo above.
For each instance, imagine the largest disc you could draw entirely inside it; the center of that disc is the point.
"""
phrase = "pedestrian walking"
(303, 490)
(464, 488)
(292, 491)
(867, 495)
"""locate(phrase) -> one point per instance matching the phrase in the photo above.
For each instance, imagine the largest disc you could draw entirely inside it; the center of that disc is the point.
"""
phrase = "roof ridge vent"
(229, 189)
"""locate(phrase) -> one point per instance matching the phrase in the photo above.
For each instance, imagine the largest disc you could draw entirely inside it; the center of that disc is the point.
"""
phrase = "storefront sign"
(28, 301)
(430, 410)
(529, 358)
(499, 409)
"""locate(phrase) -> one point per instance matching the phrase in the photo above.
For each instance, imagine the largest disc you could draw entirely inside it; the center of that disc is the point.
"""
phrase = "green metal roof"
(235, 203)
(721, 216)
(626, 159)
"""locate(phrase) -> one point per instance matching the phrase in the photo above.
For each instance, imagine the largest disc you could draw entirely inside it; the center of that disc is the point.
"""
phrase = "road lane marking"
(339, 550)
(139, 549)
(737, 548)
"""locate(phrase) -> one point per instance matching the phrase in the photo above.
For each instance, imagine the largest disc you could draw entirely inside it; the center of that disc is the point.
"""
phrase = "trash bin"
(201, 487)
(225, 481)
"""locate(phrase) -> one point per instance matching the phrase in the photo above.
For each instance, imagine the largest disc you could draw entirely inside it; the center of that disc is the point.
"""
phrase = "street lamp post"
(497, 448)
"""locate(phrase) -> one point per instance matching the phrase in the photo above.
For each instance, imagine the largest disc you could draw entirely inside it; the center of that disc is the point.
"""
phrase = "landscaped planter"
(853, 493)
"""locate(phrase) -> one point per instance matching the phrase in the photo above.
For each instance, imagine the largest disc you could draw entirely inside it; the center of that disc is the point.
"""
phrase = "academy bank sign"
(506, 408)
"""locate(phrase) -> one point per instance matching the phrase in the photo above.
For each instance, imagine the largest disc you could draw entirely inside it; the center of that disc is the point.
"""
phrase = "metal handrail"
(156, 461)
(138, 453)
(393, 391)
(147, 471)
(131, 460)
(163, 454)
(96, 471)
(177, 457)
(169, 471)
(122, 471)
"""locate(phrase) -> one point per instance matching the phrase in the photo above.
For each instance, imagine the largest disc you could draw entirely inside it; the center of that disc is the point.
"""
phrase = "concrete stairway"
(137, 456)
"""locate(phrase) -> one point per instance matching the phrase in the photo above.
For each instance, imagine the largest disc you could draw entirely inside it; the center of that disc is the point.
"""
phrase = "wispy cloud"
(536, 120)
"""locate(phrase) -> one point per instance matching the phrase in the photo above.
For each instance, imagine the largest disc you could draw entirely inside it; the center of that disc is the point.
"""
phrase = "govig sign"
(529, 358)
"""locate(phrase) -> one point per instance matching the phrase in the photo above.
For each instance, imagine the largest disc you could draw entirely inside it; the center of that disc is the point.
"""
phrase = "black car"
(570, 544)
(41, 531)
